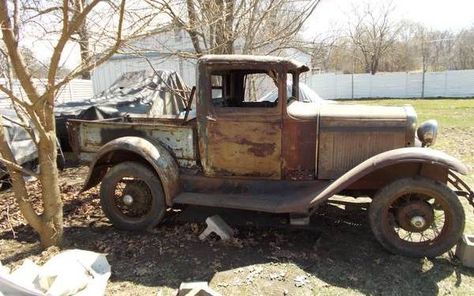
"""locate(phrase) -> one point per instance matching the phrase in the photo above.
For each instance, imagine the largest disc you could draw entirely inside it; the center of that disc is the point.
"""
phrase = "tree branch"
(12, 96)
(18, 167)
(107, 55)
(16, 59)
(69, 28)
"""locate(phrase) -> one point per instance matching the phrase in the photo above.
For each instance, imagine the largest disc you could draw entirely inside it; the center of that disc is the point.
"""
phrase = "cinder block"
(196, 289)
(218, 226)
(465, 250)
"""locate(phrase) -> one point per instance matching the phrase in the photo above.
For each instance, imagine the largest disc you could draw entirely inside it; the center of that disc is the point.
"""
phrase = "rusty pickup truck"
(236, 149)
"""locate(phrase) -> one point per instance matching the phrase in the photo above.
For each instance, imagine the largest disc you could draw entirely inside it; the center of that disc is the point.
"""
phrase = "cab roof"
(292, 65)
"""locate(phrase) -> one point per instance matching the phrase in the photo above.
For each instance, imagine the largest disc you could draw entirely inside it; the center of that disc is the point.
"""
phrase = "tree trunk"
(375, 65)
(193, 23)
(84, 49)
(83, 39)
(229, 27)
(219, 27)
(51, 231)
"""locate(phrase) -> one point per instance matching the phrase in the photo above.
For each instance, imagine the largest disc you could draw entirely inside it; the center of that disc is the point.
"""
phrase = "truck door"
(240, 127)
(299, 148)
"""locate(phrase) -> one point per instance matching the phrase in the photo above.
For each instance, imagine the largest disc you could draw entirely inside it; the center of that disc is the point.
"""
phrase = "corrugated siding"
(76, 90)
(393, 85)
(104, 75)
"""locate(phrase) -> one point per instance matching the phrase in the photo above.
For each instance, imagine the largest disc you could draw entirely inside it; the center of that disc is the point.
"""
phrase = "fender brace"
(462, 189)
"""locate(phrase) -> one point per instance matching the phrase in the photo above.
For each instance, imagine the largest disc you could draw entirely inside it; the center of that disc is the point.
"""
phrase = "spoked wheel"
(132, 197)
(417, 217)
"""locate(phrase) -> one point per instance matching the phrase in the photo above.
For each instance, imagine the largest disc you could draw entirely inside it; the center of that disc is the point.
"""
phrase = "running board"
(286, 202)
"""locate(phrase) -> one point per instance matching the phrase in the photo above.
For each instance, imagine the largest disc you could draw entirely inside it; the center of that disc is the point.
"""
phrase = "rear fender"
(154, 155)
(386, 159)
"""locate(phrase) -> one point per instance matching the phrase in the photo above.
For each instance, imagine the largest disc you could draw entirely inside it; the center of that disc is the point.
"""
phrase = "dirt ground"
(335, 255)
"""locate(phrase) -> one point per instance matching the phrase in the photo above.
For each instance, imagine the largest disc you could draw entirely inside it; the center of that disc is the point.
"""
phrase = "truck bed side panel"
(89, 136)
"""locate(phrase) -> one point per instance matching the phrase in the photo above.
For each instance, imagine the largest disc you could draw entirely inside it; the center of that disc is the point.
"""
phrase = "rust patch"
(225, 173)
(299, 149)
(232, 150)
(259, 149)
(299, 175)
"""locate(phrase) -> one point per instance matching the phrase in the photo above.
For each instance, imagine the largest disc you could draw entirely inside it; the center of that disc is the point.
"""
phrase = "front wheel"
(132, 197)
(417, 217)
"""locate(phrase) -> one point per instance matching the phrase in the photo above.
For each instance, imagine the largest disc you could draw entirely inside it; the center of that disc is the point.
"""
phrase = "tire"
(150, 206)
(394, 217)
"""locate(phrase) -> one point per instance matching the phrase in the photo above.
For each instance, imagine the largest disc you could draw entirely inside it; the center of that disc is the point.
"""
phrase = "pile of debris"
(72, 272)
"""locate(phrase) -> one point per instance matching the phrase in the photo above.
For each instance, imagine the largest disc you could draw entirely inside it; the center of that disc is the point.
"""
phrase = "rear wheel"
(132, 197)
(417, 217)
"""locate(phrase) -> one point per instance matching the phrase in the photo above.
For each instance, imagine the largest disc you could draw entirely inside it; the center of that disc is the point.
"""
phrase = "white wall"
(393, 85)
(106, 74)
(76, 90)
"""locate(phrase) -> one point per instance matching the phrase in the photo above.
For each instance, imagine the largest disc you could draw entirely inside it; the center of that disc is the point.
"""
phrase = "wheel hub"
(418, 222)
(135, 199)
(415, 216)
(127, 199)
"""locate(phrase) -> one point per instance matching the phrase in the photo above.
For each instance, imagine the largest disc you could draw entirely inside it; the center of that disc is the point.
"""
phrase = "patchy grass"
(450, 113)
(336, 255)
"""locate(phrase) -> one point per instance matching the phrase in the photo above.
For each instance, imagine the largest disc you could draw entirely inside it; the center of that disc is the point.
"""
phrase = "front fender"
(388, 158)
(136, 149)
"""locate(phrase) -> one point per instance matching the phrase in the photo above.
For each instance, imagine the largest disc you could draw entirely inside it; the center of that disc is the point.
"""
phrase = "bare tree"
(36, 108)
(373, 33)
(319, 49)
(413, 47)
(245, 26)
(82, 36)
(463, 51)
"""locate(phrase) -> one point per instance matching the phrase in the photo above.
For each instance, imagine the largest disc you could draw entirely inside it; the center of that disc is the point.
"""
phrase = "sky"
(435, 14)
(332, 14)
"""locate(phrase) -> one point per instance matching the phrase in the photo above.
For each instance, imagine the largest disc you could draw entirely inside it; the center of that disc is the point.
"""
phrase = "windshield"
(306, 94)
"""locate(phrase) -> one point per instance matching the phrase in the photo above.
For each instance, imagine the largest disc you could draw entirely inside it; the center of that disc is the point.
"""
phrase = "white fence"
(393, 85)
(76, 90)
(330, 85)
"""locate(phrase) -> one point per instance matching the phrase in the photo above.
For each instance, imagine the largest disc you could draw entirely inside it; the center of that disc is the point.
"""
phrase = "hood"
(350, 134)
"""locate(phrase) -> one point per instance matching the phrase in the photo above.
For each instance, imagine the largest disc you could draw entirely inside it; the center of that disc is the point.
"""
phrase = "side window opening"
(217, 89)
(239, 88)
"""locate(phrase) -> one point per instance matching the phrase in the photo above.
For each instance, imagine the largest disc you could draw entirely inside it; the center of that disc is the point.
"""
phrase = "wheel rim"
(417, 219)
(132, 198)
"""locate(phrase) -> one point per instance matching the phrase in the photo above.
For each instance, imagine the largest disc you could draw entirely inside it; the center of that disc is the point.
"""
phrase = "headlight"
(427, 132)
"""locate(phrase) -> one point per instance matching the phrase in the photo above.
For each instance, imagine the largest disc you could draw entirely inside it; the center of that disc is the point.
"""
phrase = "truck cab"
(241, 135)
(284, 138)
(254, 145)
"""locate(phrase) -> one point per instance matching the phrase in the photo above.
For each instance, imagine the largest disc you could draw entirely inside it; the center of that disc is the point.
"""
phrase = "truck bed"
(88, 136)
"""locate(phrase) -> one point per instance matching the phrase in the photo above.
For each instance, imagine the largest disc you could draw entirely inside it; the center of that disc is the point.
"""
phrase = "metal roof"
(291, 64)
